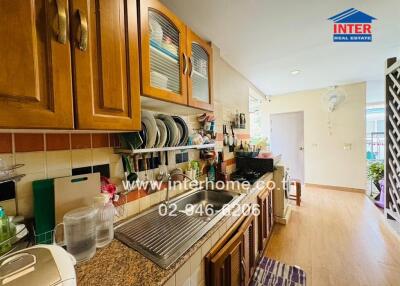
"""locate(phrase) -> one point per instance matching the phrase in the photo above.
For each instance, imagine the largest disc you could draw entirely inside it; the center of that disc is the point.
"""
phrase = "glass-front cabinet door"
(200, 72)
(163, 48)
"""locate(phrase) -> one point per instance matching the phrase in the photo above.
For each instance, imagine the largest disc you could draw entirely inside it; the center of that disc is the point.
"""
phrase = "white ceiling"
(265, 40)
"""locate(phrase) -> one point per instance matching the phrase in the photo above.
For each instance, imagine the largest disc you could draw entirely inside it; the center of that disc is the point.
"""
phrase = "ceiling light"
(295, 72)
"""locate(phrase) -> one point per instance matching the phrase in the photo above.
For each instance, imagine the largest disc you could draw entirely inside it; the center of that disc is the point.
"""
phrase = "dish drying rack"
(19, 235)
(9, 173)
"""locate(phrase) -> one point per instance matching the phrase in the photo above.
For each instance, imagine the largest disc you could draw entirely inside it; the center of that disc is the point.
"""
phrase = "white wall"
(231, 93)
(326, 160)
(375, 91)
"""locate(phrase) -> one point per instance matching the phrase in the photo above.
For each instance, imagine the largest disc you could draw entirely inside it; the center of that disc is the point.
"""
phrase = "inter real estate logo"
(352, 26)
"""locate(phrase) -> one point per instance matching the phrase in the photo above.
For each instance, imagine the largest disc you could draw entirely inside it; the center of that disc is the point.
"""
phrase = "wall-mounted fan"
(333, 98)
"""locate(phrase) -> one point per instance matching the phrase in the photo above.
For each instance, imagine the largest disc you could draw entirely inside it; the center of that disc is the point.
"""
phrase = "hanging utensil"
(233, 137)
(129, 175)
(226, 139)
(133, 175)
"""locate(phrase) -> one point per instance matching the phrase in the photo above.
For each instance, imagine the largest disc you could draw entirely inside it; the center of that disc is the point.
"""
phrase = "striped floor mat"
(270, 272)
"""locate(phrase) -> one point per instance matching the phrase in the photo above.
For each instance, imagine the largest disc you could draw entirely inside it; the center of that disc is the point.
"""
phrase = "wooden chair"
(297, 197)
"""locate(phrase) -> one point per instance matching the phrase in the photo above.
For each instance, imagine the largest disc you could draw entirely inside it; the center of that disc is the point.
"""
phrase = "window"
(375, 133)
(255, 114)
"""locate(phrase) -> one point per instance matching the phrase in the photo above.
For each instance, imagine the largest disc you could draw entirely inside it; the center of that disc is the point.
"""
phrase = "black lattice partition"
(392, 162)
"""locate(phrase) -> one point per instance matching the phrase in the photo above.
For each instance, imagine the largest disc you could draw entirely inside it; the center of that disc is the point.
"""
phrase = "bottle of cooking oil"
(5, 232)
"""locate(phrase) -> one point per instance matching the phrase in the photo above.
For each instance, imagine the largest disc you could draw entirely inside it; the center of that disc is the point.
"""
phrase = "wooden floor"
(339, 238)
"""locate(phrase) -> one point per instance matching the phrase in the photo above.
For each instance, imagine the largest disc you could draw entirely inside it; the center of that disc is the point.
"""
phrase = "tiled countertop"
(117, 264)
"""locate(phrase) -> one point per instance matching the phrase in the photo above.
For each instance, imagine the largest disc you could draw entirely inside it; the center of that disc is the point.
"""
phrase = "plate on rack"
(183, 128)
(157, 139)
(143, 135)
(163, 133)
(151, 128)
(172, 128)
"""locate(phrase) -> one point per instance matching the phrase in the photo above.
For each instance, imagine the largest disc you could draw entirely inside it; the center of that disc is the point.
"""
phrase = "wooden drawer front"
(107, 81)
(35, 68)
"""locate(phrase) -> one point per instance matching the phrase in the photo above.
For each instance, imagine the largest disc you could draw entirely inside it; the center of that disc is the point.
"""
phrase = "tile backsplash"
(54, 155)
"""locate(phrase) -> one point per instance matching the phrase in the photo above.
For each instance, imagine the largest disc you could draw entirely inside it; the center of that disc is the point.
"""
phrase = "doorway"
(287, 139)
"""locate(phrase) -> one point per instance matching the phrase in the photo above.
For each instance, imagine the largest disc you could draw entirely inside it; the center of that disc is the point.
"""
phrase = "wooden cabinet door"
(266, 218)
(164, 62)
(35, 65)
(248, 260)
(226, 265)
(106, 62)
(234, 264)
(263, 219)
(200, 72)
(270, 212)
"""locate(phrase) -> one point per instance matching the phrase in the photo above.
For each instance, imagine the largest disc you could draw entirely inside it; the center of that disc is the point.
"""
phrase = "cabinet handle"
(243, 270)
(191, 67)
(185, 64)
(62, 22)
(83, 24)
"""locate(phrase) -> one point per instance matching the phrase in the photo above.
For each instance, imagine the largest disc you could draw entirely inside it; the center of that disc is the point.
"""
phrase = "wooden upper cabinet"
(200, 72)
(106, 63)
(35, 65)
(164, 61)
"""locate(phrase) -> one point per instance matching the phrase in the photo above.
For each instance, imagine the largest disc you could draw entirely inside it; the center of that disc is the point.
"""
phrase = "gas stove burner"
(245, 175)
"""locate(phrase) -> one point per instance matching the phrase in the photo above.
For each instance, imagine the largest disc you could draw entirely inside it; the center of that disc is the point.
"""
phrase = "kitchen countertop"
(118, 264)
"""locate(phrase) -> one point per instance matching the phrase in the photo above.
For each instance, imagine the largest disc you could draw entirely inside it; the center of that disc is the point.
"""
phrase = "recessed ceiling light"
(295, 72)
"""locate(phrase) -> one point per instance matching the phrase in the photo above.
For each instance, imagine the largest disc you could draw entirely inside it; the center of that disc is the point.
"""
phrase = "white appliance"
(282, 208)
(40, 265)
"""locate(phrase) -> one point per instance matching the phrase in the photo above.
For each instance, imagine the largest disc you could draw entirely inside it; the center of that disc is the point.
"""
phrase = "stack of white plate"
(151, 128)
(158, 80)
(174, 134)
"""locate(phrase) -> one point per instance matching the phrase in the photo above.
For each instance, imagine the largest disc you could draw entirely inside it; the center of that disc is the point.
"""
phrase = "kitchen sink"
(201, 200)
(164, 234)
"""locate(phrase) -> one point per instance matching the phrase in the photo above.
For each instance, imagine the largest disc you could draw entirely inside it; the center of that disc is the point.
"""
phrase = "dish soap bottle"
(5, 232)
(211, 173)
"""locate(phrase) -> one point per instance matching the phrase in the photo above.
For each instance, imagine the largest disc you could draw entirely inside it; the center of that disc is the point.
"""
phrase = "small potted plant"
(376, 172)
